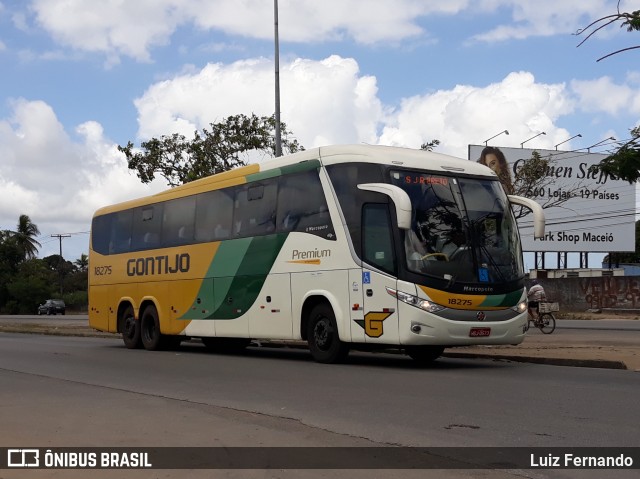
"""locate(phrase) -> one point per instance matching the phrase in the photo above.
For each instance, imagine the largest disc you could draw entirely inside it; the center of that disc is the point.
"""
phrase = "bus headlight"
(521, 307)
(415, 301)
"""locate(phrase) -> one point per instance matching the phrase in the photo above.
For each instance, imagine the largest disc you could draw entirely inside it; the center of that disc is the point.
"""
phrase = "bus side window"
(255, 209)
(302, 206)
(377, 238)
(345, 178)
(147, 223)
(214, 213)
(121, 232)
(178, 221)
(101, 233)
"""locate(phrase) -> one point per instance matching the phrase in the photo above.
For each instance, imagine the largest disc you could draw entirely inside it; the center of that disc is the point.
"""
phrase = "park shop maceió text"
(575, 238)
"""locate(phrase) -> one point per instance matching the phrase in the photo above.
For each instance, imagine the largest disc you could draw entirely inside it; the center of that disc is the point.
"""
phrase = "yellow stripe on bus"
(459, 301)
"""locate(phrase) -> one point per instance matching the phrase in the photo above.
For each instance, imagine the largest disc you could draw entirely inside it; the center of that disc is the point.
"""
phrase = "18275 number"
(460, 302)
(102, 270)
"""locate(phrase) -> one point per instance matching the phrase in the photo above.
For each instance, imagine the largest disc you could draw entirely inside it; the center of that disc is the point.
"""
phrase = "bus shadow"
(380, 359)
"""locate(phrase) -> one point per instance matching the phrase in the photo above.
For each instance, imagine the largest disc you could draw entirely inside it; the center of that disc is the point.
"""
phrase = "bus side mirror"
(536, 209)
(399, 197)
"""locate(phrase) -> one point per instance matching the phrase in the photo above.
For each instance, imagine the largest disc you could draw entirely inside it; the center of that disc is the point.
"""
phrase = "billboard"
(585, 211)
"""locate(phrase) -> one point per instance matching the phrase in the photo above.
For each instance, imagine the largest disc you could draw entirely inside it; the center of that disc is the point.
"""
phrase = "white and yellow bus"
(344, 247)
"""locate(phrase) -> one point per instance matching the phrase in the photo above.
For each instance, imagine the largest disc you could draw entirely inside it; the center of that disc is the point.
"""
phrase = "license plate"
(479, 332)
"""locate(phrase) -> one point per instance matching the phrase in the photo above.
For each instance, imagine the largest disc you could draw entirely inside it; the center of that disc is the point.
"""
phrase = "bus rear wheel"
(424, 355)
(152, 339)
(130, 329)
(323, 338)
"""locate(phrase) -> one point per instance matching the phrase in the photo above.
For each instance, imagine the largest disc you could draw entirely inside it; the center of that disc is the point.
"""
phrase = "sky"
(80, 77)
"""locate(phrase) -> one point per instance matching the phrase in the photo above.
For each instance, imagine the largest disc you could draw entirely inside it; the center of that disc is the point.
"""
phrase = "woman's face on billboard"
(491, 161)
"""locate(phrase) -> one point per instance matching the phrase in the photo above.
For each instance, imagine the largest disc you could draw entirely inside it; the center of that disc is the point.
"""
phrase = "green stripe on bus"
(505, 300)
(285, 170)
(247, 283)
(229, 257)
(239, 271)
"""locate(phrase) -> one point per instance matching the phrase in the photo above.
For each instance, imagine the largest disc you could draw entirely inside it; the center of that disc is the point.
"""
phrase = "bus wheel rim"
(321, 334)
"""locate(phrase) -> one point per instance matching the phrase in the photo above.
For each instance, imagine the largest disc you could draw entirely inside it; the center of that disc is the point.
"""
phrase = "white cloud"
(468, 114)
(603, 94)
(312, 21)
(321, 101)
(111, 26)
(132, 29)
(330, 101)
(546, 17)
(58, 181)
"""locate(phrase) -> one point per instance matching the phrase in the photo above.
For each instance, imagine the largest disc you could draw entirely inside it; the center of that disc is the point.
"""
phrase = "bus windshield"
(462, 229)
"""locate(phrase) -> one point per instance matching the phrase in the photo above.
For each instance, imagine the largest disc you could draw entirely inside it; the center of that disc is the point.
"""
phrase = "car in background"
(52, 306)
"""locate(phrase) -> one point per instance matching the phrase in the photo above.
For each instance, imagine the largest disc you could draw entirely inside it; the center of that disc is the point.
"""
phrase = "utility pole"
(277, 65)
(59, 236)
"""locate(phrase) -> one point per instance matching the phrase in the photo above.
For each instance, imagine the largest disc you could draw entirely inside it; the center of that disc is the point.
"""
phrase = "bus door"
(380, 312)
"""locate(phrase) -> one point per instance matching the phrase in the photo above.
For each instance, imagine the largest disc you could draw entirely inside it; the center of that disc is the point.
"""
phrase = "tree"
(430, 145)
(534, 177)
(10, 258)
(24, 237)
(27, 282)
(82, 263)
(31, 285)
(224, 146)
(625, 162)
(629, 20)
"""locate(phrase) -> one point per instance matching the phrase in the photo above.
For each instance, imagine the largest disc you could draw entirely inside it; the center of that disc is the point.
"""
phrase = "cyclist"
(535, 295)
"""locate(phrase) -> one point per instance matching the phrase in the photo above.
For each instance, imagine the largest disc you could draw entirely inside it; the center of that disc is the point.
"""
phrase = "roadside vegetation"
(27, 281)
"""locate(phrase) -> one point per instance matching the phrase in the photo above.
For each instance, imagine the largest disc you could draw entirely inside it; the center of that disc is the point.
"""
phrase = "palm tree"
(82, 263)
(25, 237)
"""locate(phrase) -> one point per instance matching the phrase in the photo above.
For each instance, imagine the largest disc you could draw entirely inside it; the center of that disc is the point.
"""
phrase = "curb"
(583, 363)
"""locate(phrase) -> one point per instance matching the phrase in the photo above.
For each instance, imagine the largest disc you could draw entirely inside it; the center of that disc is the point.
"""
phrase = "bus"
(337, 248)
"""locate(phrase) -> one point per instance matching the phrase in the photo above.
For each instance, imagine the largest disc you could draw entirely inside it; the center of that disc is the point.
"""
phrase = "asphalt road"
(71, 391)
(380, 398)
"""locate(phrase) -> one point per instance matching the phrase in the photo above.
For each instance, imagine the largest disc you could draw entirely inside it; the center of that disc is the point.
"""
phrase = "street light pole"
(506, 132)
(611, 138)
(277, 72)
(536, 136)
(569, 139)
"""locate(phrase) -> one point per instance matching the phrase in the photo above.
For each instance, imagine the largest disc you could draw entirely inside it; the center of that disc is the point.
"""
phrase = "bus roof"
(325, 155)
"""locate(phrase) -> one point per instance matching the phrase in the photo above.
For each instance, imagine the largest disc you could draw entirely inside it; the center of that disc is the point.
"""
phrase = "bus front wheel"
(323, 338)
(130, 329)
(152, 339)
(424, 355)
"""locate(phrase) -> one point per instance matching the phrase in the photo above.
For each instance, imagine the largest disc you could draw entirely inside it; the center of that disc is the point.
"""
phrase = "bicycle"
(546, 321)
